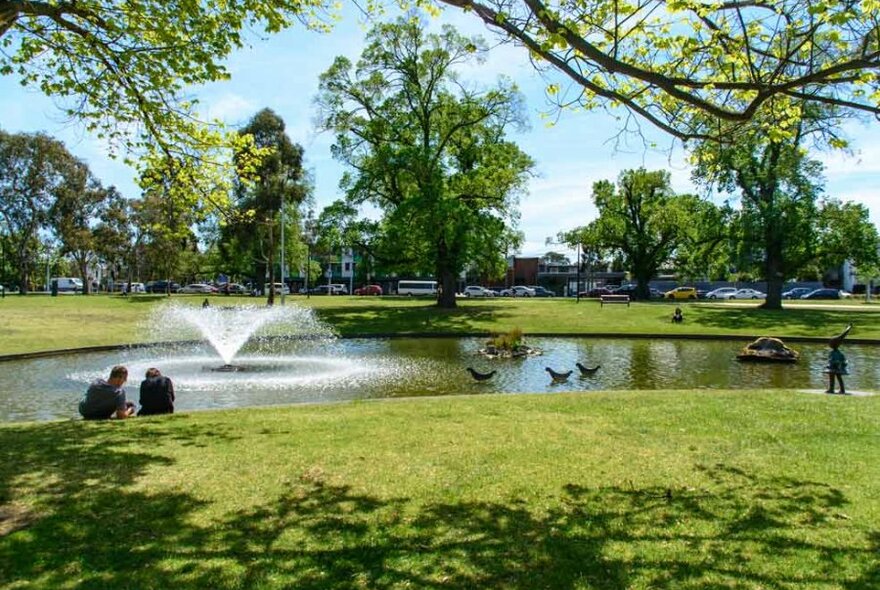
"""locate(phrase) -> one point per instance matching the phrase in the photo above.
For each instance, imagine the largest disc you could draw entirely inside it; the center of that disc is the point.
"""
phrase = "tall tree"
(779, 186)
(666, 61)
(73, 217)
(844, 232)
(425, 149)
(117, 238)
(277, 182)
(642, 222)
(34, 171)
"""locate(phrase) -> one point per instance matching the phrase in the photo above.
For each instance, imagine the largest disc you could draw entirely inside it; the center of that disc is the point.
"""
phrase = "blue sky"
(281, 72)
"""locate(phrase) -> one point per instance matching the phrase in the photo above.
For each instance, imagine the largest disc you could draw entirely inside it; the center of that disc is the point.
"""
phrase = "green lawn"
(675, 489)
(37, 323)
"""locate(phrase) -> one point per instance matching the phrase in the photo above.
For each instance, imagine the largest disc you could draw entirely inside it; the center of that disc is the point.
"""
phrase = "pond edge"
(618, 335)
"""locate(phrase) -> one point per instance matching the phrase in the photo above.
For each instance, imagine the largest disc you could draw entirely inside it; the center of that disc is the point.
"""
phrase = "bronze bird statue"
(558, 377)
(480, 376)
(587, 370)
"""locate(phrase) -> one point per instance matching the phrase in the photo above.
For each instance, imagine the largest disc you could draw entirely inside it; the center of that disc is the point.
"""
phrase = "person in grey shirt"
(103, 398)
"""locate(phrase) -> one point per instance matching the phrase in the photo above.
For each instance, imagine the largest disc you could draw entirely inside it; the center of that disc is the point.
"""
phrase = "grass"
(676, 489)
(38, 323)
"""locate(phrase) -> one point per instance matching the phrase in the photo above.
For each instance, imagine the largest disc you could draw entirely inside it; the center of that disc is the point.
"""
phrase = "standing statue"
(837, 362)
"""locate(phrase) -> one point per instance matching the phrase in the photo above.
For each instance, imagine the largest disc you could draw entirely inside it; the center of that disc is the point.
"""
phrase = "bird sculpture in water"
(480, 376)
(558, 377)
(587, 370)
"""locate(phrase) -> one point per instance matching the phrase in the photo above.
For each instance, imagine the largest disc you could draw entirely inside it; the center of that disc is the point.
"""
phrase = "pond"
(291, 372)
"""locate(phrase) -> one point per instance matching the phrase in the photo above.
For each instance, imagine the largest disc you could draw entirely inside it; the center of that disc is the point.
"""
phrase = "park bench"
(603, 299)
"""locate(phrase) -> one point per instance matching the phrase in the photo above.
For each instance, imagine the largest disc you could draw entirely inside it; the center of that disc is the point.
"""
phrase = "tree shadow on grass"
(792, 322)
(411, 319)
(96, 529)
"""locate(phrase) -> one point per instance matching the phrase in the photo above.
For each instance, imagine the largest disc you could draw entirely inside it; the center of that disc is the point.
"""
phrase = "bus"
(417, 288)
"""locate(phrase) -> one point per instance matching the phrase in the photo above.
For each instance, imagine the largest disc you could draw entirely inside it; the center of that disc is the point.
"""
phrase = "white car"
(477, 291)
(721, 293)
(518, 291)
(197, 288)
(748, 294)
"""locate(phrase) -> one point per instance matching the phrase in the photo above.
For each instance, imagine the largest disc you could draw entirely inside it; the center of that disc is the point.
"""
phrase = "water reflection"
(306, 371)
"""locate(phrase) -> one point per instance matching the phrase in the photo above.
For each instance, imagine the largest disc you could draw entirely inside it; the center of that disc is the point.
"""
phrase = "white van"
(417, 288)
(66, 285)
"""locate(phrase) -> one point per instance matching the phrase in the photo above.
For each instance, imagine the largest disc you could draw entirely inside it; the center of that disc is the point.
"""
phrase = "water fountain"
(226, 351)
(227, 329)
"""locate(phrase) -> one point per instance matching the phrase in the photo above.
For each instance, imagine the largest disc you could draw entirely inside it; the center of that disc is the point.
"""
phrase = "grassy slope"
(38, 323)
(625, 490)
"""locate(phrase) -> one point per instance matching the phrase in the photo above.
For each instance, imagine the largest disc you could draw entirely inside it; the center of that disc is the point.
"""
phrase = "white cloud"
(231, 108)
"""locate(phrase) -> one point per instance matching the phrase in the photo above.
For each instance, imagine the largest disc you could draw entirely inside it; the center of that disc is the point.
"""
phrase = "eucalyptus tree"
(674, 63)
(277, 183)
(35, 171)
(118, 240)
(425, 149)
(74, 216)
(642, 222)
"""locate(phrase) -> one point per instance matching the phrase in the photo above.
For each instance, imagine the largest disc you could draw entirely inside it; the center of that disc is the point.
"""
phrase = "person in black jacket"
(157, 394)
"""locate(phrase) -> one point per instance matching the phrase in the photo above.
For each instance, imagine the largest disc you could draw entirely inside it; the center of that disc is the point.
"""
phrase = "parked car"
(823, 294)
(133, 288)
(518, 291)
(541, 291)
(368, 290)
(596, 292)
(477, 291)
(162, 287)
(232, 289)
(721, 293)
(333, 289)
(681, 293)
(796, 293)
(748, 294)
(277, 288)
(197, 288)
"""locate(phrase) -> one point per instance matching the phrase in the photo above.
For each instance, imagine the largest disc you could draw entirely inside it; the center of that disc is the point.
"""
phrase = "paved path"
(853, 393)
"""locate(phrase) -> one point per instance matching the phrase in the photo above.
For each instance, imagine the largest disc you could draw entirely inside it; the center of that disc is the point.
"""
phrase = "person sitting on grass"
(104, 399)
(157, 394)
(677, 316)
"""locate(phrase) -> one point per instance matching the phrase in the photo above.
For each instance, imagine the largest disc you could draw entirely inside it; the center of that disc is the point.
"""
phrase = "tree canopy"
(122, 66)
(644, 223)
(682, 63)
(426, 149)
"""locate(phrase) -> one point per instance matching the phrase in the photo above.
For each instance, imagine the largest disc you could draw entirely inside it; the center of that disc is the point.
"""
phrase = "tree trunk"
(83, 272)
(775, 279)
(23, 279)
(446, 276)
(270, 300)
(643, 289)
(773, 273)
(446, 296)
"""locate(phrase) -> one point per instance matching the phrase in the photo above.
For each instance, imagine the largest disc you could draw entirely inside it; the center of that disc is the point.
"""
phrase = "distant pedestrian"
(104, 399)
(205, 303)
(156, 394)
